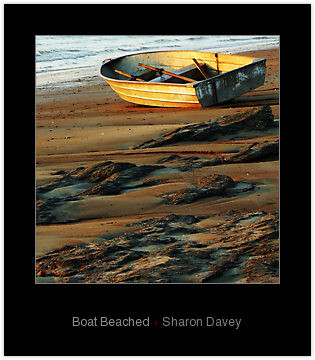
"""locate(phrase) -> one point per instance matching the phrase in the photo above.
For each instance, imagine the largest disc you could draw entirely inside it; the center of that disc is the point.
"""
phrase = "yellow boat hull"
(234, 75)
(154, 94)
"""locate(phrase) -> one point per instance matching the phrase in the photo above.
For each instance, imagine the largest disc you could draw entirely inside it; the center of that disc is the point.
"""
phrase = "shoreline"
(66, 78)
(79, 129)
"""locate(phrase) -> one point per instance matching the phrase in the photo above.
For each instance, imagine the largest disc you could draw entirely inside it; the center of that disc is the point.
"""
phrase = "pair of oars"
(164, 72)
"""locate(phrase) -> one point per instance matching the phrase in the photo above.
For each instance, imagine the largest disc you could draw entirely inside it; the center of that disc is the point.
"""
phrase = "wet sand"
(88, 124)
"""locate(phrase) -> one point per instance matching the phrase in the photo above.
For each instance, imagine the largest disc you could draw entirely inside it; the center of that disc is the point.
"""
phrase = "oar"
(167, 73)
(128, 76)
(200, 69)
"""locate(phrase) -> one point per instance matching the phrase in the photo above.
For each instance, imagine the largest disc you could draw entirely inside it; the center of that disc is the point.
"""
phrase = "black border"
(38, 317)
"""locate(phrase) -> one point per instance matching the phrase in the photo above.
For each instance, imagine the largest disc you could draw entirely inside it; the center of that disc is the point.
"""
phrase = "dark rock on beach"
(242, 248)
(205, 187)
(167, 220)
(110, 177)
(254, 119)
(101, 171)
(256, 151)
(170, 158)
(115, 183)
(187, 163)
(106, 178)
(45, 210)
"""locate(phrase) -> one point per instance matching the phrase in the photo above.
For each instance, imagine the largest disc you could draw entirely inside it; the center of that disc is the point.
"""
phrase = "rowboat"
(182, 78)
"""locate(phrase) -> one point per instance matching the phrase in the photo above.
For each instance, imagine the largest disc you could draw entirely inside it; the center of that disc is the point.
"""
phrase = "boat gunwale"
(193, 84)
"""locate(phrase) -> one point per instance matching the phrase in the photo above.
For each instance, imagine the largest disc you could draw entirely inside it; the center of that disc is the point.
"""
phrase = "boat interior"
(179, 67)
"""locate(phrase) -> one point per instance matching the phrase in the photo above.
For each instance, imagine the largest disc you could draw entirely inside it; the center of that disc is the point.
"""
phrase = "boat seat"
(189, 71)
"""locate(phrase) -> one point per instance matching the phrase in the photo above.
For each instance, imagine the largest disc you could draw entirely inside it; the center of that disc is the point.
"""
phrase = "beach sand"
(84, 125)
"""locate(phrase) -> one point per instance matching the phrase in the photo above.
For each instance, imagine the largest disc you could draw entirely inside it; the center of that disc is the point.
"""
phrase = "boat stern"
(231, 84)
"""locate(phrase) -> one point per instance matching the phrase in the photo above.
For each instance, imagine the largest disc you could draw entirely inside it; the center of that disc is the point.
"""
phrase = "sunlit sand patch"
(201, 238)
(211, 221)
(106, 206)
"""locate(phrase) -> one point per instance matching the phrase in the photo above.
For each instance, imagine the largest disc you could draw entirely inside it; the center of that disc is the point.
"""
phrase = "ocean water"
(69, 58)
